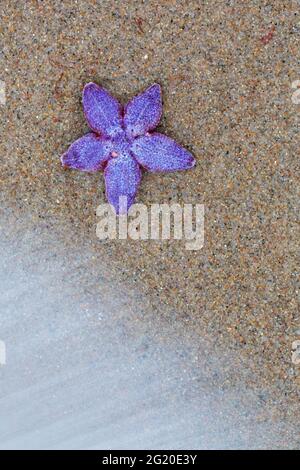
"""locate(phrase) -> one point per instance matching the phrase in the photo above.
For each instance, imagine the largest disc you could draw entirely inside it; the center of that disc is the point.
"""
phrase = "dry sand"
(226, 69)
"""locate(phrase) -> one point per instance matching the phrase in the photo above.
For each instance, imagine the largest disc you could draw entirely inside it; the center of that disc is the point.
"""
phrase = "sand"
(226, 69)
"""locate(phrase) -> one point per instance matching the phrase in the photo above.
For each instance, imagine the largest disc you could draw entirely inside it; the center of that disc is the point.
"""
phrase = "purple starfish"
(121, 142)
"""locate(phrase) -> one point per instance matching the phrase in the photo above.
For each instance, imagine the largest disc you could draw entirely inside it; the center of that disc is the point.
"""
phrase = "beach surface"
(208, 332)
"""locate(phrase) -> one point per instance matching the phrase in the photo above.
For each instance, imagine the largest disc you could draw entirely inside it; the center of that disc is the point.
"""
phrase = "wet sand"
(226, 71)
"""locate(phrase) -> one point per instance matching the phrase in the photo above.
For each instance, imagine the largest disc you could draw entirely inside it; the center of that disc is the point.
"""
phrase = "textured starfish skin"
(122, 143)
(89, 153)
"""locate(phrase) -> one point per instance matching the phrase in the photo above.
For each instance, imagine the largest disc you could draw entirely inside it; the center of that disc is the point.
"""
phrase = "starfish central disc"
(120, 145)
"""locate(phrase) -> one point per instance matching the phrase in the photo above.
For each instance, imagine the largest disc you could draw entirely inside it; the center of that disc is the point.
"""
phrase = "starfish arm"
(158, 153)
(143, 112)
(102, 111)
(89, 153)
(122, 179)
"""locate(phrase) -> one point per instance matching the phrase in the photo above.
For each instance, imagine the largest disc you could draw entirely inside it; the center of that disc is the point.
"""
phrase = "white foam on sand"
(88, 372)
